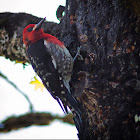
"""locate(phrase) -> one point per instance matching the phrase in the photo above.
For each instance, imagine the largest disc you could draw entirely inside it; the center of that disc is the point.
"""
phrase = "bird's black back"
(41, 62)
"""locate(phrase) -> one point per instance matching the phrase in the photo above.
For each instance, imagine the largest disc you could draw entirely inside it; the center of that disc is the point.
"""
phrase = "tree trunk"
(110, 38)
(107, 81)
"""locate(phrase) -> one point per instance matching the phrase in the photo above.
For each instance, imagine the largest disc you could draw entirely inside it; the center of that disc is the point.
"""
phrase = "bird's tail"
(63, 105)
(74, 105)
(71, 99)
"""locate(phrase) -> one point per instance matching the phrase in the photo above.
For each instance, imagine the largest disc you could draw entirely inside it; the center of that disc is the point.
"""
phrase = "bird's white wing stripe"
(54, 62)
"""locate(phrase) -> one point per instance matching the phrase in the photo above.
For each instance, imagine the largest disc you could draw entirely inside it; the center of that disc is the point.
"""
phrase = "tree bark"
(107, 81)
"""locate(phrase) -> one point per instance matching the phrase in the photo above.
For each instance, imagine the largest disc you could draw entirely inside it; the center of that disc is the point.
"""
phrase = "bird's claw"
(78, 54)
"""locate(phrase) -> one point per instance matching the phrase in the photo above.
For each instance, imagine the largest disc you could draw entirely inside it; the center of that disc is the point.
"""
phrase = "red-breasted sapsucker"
(52, 62)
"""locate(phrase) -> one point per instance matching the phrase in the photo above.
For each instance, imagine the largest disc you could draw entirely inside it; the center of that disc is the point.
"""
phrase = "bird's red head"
(33, 33)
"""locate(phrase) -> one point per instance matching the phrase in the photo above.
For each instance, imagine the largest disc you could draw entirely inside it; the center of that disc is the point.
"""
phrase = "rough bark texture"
(107, 81)
(109, 35)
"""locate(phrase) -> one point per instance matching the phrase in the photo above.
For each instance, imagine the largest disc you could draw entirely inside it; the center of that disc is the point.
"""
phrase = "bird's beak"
(38, 26)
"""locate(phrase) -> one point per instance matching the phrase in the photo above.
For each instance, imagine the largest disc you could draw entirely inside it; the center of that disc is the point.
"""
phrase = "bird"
(53, 63)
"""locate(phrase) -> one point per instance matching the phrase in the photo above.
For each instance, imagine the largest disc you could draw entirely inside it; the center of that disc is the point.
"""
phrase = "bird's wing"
(62, 58)
(43, 64)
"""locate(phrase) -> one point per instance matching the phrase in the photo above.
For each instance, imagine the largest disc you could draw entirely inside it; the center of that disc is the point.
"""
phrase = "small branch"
(11, 83)
(17, 122)
(59, 12)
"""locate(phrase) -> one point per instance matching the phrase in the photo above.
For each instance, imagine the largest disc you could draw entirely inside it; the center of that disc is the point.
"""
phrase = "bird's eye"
(30, 29)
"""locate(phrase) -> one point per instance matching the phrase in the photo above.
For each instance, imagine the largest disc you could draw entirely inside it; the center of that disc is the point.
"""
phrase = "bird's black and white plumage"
(53, 63)
(55, 73)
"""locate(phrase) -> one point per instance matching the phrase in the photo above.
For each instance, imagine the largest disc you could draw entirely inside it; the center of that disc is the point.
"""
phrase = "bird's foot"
(78, 54)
